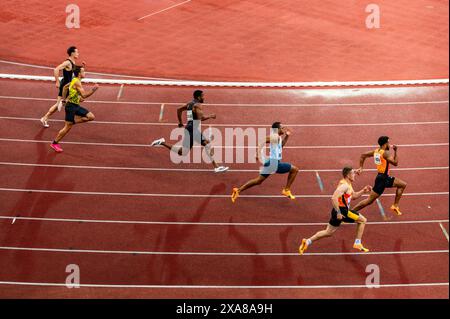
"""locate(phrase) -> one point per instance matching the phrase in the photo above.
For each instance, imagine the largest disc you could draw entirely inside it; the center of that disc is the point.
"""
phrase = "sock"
(309, 242)
(55, 142)
(357, 241)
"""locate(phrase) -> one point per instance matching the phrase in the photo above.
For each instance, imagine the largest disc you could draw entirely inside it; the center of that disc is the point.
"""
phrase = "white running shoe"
(44, 123)
(221, 169)
(158, 142)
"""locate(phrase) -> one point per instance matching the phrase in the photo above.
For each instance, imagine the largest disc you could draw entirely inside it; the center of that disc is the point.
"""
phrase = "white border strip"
(186, 253)
(99, 221)
(158, 104)
(444, 231)
(42, 284)
(163, 10)
(189, 195)
(194, 170)
(234, 124)
(224, 147)
(234, 84)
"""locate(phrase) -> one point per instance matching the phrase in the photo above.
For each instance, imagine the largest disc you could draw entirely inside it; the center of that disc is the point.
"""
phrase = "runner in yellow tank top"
(341, 212)
(74, 112)
(382, 158)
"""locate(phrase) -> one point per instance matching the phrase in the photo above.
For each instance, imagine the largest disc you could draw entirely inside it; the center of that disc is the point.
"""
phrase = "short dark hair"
(383, 140)
(346, 170)
(197, 94)
(77, 70)
(276, 125)
(71, 50)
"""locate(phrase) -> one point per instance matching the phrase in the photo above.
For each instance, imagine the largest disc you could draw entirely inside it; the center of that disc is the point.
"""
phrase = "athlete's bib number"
(190, 116)
(377, 158)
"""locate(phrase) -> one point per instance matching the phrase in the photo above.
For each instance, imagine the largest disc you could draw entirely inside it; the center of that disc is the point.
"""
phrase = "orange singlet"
(344, 200)
(380, 162)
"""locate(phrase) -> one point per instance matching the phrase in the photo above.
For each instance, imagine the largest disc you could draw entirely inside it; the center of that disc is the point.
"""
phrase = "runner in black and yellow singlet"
(74, 112)
(67, 68)
(192, 130)
(341, 212)
(383, 159)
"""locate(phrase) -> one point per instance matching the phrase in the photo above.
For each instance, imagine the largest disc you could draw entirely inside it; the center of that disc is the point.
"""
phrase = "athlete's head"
(348, 172)
(279, 127)
(73, 52)
(198, 95)
(383, 141)
(78, 72)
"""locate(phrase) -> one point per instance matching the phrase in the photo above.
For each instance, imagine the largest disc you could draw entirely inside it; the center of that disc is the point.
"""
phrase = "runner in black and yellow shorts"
(341, 213)
(382, 158)
(74, 112)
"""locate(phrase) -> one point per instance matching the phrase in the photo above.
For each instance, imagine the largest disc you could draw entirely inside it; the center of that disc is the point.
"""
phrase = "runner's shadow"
(173, 271)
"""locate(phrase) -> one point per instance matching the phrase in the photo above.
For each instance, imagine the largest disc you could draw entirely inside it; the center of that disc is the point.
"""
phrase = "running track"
(139, 226)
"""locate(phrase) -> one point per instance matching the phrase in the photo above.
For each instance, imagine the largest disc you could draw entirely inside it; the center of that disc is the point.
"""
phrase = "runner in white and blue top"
(273, 164)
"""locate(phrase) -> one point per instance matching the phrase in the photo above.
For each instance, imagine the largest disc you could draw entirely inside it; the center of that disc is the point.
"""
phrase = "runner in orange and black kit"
(341, 213)
(383, 158)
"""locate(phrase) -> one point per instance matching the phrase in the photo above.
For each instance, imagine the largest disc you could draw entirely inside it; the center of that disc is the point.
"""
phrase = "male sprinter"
(273, 164)
(74, 112)
(382, 158)
(195, 116)
(340, 213)
(67, 68)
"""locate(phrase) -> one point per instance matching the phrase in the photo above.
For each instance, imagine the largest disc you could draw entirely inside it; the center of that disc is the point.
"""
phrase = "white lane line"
(319, 181)
(444, 230)
(190, 195)
(119, 95)
(196, 170)
(185, 253)
(44, 284)
(163, 10)
(100, 221)
(224, 147)
(235, 125)
(380, 207)
(94, 73)
(241, 104)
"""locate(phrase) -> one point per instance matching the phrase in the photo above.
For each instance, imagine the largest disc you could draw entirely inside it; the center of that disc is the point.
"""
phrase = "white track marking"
(100, 221)
(380, 207)
(93, 73)
(119, 95)
(185, 253)
(444, 230)
(194, 170)
(42, 284)
(163, 10)
(240, 104)
(319, 181)
(189, 195)
(236, 125)
(235, 84)
(225, 147)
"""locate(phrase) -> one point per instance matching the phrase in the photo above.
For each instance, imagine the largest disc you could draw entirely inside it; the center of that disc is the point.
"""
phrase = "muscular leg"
(291, 177)
(52, 109)
(360, 227)
(88, 118)
(67, 127)
(324, 233)
(209, 151)
(372, 197)
(401, 185)
(252, 182)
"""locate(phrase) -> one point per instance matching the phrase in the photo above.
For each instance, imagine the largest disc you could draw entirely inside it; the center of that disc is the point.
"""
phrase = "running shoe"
(235, 194)
(303, 246)
(360, 247)
(56, 147)
(287, 192)
(221, 169)
(396, 209)
(158, 142)
(44, 122)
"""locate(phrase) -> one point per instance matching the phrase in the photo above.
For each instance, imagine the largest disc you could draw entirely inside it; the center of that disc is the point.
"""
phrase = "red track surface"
(111, 237)
(231, 40)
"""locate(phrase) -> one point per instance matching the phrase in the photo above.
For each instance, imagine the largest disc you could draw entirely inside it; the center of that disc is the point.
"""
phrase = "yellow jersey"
(74, 95)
